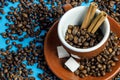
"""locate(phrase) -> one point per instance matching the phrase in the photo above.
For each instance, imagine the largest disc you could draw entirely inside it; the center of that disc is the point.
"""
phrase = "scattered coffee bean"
(8, 47)
(7, 41)
(77, 72)
(82, 75)
(115, 59)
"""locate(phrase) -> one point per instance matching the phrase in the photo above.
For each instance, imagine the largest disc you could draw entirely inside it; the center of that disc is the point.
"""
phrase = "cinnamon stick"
(85, 21)
(89, 15)
(94, 22)
(94, 7)
(99, 22)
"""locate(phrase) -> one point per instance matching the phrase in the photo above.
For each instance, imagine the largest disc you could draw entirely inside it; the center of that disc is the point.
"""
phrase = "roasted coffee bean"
(9, 47)
(103, 73)
(77, 72)
(92, 42)
(11, 8)
(75, 30)
(118, 53)
(86, 35)
(115, 58)
(75, 39)
(66, 37)
(10, 13)
(2, 11)
(83, 32)
(5, 70)
(70, 37)
(1, 74)
(7, 41)
(13, 43)
(98, 74)
(4, 35)
(84, 71)
(82, 75)
(99, 66)
(86, 44)
(78, 33)
(69, 29)
(81, 67)
(110, 50)
(113, 64)
(79, 40)
(83, 40)
(19, 46)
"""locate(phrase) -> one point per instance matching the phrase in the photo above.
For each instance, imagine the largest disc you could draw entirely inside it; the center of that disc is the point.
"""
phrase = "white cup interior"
(75, 16)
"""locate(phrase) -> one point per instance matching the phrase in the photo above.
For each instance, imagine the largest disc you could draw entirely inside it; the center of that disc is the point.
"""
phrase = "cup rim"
(105, 37)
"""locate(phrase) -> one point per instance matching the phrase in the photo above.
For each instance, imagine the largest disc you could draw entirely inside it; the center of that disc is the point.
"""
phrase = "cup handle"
(67, 7)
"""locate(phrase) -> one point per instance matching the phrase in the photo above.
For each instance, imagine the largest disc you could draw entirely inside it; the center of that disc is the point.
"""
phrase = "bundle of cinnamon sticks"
(90, 23)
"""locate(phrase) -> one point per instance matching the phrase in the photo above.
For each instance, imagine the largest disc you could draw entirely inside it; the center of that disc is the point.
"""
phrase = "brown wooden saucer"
(56, 64)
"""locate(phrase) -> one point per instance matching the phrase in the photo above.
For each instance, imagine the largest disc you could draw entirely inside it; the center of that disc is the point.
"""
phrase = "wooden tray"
(56, 64)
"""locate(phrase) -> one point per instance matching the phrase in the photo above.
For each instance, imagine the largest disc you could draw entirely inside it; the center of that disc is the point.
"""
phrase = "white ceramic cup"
(75, 16)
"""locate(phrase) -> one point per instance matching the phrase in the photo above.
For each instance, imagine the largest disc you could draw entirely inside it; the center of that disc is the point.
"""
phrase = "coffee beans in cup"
(81, 38)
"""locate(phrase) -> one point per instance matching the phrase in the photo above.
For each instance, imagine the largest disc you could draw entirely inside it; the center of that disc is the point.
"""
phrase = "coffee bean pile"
(81, 38)
(26, 17)
(102, 63)
(109, 7)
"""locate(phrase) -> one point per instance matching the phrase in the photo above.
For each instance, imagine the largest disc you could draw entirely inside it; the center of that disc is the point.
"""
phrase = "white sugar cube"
(75, 56)
(72, 64)
(62, 53)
